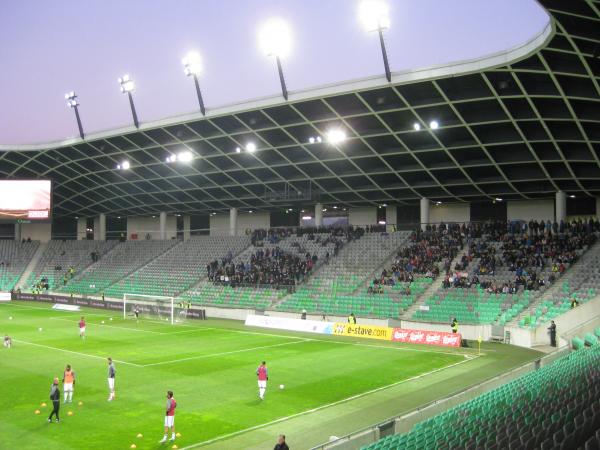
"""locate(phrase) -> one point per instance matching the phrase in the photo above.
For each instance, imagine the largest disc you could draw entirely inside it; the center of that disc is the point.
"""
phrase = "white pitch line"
(310, 411)
(75, 353)
(211, 355)
(111, 326)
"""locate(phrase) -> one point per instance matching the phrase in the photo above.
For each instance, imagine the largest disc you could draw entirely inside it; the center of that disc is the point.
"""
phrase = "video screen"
(25, 199)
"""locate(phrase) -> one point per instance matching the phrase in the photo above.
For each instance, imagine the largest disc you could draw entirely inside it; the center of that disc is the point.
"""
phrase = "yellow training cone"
(174, 447)
(178, 435)
(140, 435)
(80, 403)
(43, 405)
(133, 446)
(37, 411)
(70, 413)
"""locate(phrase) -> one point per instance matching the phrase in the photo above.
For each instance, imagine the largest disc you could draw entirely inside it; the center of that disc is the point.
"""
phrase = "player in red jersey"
(82, 328)
(263, 377)
(170, 417)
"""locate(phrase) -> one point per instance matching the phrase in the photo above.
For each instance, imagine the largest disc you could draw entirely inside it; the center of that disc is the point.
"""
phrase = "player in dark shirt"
(55, 397)
(281, 445)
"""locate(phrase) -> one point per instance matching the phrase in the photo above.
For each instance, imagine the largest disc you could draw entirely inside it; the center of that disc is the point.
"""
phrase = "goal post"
(150, 306)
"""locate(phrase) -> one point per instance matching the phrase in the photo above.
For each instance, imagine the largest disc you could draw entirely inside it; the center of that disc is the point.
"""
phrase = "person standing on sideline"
(281, 445)
(111, 379)
(136, 311)
(82, 328)
(169, 417)
(352, 319)
(55, 397)
(454, 325)
(68, 383)
(303, 315)
(552, 332)
(263, 377)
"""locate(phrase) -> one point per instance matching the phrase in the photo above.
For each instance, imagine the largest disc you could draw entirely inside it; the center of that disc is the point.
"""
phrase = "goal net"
(156, 307)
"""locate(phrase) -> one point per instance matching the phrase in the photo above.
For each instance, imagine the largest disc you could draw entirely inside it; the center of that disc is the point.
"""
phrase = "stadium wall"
(37, 231)
(530, 209)
(150, 225)
(454, 212)
(362, 216)
(219, 223)
(81, 227)
(470, 332)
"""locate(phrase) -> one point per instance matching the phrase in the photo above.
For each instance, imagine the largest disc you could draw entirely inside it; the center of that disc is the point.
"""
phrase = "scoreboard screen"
(25, 200)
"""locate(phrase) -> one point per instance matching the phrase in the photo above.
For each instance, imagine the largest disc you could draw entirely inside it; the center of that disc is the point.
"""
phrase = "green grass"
(211, 368)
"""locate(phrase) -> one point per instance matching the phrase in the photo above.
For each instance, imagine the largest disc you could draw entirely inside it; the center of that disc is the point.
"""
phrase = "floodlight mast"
(127, 87)
(275, 40)
(375, 17)
(192, 68)
(73, 103)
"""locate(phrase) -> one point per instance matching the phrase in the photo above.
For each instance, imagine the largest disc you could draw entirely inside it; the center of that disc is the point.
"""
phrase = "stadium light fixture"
(275, 39)
(434, 124)
(251, 147)
(238, 150)
(375, 16)
(185, 156)
(127, 87)
(416, 126)
(336, 136)
(306, 217)
(192, 65)
(73, 103)
(572, 196)
(125, 165)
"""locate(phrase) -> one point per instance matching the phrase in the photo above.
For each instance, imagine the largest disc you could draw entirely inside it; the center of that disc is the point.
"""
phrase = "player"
(7, 341)
(263, 377)
(55, 397)
(111, 379)
(136, 311)
(68, 383)
(169, 417)
(82, 328)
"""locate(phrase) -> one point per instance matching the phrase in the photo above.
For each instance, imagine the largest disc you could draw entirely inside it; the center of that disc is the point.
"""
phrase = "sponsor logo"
(37, 214)
(364, 331)
(426, 337)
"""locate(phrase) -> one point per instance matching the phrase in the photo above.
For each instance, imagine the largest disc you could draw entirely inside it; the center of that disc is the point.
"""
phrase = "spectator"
(281, 445)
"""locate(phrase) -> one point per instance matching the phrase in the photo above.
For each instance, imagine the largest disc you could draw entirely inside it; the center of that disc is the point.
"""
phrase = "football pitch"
(331, 384)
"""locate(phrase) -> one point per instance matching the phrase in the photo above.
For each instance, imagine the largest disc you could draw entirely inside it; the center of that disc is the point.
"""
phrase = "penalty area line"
(211, 355)
(319, 408)
(75, 353)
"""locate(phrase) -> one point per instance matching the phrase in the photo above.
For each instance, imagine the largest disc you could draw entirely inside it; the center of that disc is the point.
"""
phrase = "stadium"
(402, 261)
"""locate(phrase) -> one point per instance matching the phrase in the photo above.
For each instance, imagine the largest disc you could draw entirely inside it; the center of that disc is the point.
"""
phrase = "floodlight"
(251, 147)
(73, 103)
(319, 139)
(571, 196)
(434, 124)
(381, 222)
(185, 156)
(374, 15)
(192, 64)
(336, 136)
(498, 199)
(127, 87)
(417, 126)
(238, 150)
(275, 37)
(306, 217)
(125, 165)
(438, 203)
(311, 140)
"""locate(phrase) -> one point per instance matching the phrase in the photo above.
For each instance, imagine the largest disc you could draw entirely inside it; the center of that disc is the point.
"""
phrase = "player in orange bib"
(68, 383)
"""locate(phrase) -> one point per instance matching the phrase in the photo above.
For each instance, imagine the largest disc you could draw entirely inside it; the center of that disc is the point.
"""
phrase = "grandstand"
(416, 255)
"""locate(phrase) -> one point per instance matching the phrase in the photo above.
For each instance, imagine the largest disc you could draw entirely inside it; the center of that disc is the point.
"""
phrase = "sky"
(48, 48)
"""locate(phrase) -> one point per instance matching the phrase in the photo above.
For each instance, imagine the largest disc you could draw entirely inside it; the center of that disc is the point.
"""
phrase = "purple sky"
(50, 47)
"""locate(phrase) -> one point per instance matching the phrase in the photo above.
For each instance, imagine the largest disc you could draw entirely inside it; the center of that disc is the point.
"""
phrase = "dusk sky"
(48, 48)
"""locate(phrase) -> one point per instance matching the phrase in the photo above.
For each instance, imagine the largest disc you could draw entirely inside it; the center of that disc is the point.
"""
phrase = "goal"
(168, 309)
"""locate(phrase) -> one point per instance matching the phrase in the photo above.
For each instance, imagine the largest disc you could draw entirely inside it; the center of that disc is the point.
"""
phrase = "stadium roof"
(518, 125)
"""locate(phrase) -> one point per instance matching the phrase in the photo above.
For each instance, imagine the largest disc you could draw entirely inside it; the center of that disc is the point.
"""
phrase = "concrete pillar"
(424, 213)
(391, 218)
(162, 224)
(233, 216)
(560, 209)
(187, 227)
(100, 231)
(319, 215)
(81, 228)
(18, 231)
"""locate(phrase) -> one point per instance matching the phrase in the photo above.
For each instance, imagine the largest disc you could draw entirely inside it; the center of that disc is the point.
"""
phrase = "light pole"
(192, 65)
(275, 40)
(127, 87)
(374, 15)
(73, 103)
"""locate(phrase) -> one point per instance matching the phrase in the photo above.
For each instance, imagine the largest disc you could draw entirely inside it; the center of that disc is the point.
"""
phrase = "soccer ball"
(110, 318)
(140, 435)
(80, 403)
(103, 322)
(10, 318)
(40, 329)
(281, 386)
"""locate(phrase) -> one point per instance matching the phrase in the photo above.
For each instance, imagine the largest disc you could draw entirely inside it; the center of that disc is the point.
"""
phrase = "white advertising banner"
(62, 307)
(5, 296)
(283, 323)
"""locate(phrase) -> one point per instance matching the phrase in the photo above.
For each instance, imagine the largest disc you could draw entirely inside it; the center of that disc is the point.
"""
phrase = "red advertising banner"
(426, 337)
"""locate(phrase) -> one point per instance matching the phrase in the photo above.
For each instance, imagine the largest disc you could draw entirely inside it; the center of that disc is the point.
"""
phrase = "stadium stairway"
(433, 287)
(22, 281)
